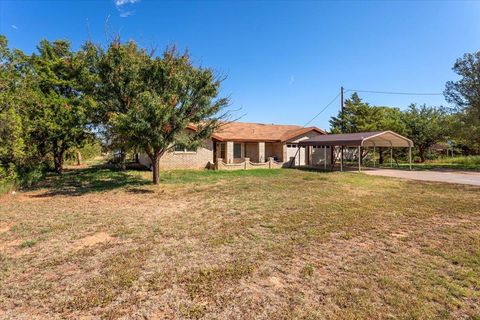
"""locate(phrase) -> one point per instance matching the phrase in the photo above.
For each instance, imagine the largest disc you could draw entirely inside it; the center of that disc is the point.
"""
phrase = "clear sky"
(284, 61)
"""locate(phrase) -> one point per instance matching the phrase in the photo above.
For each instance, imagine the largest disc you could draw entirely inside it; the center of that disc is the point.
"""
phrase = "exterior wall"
(275, 150)
(307, 156)
(183, 160)
(251, 151)
(308, 135)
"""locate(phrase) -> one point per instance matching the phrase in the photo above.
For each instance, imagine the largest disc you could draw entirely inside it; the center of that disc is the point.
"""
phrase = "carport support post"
(391, 157)
(359, 159)
(374, 155)
(325, 157)
(410, 157)
(341, 159)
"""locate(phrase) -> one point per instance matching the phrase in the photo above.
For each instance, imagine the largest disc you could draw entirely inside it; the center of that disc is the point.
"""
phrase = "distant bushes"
(467, 161)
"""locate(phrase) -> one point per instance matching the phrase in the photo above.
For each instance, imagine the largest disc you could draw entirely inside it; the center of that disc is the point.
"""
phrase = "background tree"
(425, 126)
(360, 116)
(120, 79)
(17, 152)
(176, 95)
(60, 117)
(11, 131)
(465, 94)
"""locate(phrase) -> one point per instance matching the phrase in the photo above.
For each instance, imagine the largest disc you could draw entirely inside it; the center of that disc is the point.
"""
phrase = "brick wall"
(251, 151)
(183, 160)
(274, 150)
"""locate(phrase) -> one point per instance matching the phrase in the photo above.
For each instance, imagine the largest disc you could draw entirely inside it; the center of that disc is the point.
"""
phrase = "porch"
(235, 152)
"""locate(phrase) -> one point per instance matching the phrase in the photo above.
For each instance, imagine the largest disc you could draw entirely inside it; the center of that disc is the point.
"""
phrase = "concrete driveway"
(448, 176)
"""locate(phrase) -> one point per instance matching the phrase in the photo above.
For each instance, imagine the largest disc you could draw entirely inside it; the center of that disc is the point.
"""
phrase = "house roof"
(364, 139)
(257, 132)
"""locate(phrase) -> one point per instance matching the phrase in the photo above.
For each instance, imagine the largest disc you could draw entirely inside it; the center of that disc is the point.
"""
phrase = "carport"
(362, 140)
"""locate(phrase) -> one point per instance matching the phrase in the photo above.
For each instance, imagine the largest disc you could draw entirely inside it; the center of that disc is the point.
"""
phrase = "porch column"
(229, 152)
(261, 152)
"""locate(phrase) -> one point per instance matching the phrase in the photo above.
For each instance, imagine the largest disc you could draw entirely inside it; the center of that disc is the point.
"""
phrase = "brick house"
(236, 144)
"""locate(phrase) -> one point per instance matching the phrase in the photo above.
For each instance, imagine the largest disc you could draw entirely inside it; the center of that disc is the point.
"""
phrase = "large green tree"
(60, 117)
(16, 149)
(11, 130)
(425, 126)
(465, 94)
(118, 77)
(359, 116)
(175, 96)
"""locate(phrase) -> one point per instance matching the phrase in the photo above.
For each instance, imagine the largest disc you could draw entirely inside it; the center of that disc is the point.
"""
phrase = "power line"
(325, 108)
(399, 93)
(373, 91)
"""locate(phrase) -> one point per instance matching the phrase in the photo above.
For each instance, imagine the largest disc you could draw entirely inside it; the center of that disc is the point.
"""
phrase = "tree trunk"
(380, 153)
(57, 158)
(123, 165)
(421, 154)
(156, 169)
(58, 161)
(79, 158)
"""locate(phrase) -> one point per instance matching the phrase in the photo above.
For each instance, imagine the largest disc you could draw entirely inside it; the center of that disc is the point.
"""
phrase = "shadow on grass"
(99, 178)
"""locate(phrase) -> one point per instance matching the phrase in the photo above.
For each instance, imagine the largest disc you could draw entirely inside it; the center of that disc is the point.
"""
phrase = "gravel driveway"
(460, 177)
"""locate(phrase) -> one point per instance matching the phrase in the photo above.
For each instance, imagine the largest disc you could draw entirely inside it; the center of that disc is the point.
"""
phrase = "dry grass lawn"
(260, 244)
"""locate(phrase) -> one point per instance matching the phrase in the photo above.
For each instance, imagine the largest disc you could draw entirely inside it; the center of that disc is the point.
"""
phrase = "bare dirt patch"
(4, 227)
(99, 237)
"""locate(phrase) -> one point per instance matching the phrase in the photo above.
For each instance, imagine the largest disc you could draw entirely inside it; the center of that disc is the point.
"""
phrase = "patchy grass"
(280, 244)
(470, 163)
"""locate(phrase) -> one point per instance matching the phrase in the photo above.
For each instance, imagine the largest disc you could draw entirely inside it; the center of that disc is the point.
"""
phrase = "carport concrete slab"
(459, 177)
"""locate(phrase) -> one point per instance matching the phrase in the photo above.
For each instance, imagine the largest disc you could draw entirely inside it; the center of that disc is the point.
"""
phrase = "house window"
(237, 150)
(222, 150)
(182, 148)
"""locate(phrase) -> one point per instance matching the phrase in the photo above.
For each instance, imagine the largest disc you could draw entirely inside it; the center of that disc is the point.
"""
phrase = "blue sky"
(284, 61)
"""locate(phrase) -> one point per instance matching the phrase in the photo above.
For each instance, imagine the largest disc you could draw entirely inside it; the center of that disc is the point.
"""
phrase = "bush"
(13, 178)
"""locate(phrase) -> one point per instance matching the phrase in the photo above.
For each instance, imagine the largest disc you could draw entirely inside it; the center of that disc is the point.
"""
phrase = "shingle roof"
(244, 131)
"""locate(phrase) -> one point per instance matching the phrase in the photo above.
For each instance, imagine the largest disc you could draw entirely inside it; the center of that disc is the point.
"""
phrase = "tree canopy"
(60, 115)
(425, 126)
(465, 95)
(175, 96)
(360, 116)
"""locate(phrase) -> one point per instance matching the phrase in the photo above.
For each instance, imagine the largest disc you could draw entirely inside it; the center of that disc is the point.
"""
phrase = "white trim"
(410, 142)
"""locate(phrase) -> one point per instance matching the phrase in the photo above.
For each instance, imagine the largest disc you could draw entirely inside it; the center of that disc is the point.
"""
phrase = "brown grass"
(277, 244)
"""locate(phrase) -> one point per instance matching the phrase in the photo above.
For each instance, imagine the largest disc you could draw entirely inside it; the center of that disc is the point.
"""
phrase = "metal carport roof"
(360, 139)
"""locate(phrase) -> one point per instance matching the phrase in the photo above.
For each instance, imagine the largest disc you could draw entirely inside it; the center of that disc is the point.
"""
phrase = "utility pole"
(341, 106)
(343, 126)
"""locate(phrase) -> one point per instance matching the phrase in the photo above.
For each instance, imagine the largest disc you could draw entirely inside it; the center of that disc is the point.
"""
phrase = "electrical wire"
(398, 93)
(324, 108)
(372, 91)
